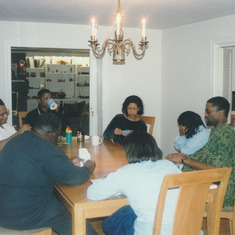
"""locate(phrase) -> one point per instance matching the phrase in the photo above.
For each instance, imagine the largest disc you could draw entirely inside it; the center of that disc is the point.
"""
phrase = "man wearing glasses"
(220, 149)
(7, 131)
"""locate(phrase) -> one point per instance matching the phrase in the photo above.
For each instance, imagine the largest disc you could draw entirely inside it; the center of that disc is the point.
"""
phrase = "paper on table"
(84, 154)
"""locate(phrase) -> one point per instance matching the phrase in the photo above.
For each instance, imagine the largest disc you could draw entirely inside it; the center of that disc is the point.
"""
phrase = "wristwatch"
(183, 158)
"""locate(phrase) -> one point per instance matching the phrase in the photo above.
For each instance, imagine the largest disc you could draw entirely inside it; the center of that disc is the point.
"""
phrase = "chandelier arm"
(99, 52)
(143, 47)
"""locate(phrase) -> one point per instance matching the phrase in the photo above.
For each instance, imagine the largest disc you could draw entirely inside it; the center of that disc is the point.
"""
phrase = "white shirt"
(6, 131)
(141, 183)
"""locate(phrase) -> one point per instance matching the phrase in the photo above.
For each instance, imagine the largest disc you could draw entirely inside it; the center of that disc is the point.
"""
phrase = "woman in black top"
(122, 124)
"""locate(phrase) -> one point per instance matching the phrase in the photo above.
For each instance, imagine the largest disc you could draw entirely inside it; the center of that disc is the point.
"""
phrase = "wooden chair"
(149, 121)
(42, 231)
(228, 213)
(194, 193)
(22, 115)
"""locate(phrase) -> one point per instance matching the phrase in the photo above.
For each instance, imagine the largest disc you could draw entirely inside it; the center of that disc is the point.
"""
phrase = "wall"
(136, 77)
(142, 78)
(187, 71)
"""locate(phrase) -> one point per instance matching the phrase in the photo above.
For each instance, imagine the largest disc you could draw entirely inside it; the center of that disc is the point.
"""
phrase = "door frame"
(218, 47)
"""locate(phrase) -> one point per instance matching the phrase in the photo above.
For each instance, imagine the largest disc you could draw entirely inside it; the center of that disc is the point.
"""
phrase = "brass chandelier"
(118, 46)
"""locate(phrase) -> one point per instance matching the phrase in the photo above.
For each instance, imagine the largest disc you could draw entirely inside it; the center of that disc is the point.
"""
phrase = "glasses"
(6, 113)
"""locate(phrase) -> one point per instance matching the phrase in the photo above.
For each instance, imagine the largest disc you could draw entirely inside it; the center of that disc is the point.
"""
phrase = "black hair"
(191, 121)
(141, 146)
(48, 122)
(220, 103)
(133, 99)
(1, 102)
(42, 92)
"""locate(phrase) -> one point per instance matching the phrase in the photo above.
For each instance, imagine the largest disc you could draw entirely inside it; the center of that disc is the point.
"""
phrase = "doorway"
(65, 72)
(224, 74)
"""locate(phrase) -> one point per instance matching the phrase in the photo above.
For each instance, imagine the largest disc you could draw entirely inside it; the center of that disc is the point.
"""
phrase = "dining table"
(108, 156)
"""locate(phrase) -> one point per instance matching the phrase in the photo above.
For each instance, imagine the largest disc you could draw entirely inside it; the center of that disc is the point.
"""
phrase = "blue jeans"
(120, 222)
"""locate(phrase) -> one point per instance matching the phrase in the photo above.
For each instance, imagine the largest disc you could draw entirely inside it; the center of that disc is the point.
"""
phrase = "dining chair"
(41, 231)
(227, 213)
(195, 193)
(22, 115)
(149, 121)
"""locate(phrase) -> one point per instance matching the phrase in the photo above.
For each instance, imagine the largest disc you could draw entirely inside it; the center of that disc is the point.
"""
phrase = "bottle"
(68, 135)
(80, 134)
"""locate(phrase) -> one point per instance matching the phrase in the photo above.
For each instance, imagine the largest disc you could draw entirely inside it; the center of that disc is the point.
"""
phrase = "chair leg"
(232, 226)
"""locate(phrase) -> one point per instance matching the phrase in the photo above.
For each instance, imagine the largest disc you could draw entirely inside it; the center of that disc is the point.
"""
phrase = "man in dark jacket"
(30, 165)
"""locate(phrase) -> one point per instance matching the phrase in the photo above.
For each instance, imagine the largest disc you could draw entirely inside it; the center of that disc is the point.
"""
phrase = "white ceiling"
(160, 14)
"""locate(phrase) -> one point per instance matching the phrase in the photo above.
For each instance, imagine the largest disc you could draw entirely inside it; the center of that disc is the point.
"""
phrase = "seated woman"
(122, 124)
(140, 181)
(193, 134)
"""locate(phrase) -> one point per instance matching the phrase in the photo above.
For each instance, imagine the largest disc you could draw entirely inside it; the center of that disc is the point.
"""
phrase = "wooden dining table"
(109, 157)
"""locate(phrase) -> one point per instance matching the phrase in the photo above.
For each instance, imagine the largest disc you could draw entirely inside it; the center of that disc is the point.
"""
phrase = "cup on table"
(96, 140)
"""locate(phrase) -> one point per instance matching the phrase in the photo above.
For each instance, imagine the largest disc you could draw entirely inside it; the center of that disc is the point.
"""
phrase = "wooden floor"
(224, 227)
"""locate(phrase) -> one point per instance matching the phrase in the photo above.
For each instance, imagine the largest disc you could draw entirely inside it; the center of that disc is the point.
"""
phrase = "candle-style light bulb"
(96, 29)
(118, 18)
(93, 27)
(143, 28)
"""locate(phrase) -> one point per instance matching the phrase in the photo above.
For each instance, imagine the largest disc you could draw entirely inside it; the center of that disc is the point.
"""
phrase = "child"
(140, 181)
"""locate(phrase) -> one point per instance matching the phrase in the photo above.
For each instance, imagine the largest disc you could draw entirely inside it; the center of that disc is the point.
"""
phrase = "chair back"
(148, 121)
(22, 115)
(195, 192)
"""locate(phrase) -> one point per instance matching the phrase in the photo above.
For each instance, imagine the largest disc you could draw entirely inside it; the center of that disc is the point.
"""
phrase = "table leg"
(78, 222)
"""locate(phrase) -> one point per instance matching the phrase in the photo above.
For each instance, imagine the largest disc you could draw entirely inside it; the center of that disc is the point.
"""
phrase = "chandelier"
(118, 46)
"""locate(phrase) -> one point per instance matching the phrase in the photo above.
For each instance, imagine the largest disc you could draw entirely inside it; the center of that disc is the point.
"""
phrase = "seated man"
(43, 96)
(30, 165)
(219, 151)
(7, 131)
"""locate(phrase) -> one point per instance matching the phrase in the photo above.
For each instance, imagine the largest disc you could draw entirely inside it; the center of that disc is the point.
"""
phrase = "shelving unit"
(36, 78)
(72, 80)
(83, 82)
(61, 78)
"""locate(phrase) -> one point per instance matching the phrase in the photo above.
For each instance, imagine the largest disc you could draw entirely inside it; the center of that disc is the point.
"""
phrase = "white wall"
(187, 59)
(136, 77)
(142, 78)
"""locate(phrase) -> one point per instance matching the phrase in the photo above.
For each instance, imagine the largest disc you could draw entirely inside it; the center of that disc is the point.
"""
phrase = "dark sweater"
(119, 121)
(29, 168)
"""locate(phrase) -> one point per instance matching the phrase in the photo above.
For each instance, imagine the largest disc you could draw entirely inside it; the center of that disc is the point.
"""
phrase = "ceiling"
(160, 14)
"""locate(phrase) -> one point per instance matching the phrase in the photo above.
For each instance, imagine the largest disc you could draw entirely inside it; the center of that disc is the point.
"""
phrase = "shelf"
(61, 82)
(35, 69)
(61, 74)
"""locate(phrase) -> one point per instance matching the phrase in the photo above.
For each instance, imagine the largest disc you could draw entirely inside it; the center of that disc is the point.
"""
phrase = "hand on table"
(90, 164)
(117, 131)
(175, 157)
